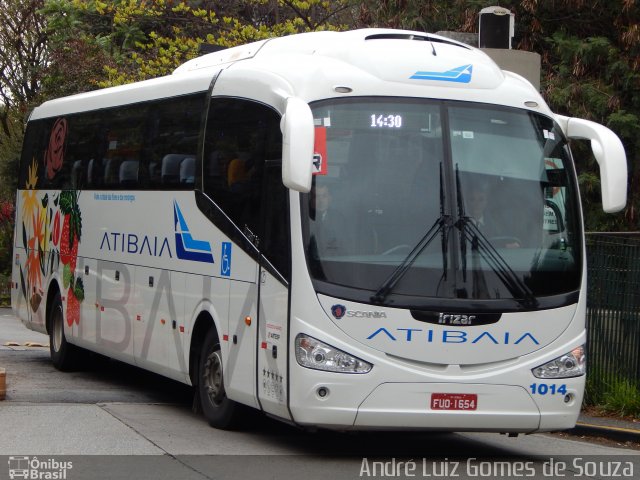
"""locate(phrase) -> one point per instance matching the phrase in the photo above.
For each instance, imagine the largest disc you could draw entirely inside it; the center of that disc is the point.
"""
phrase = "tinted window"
(152, 145)
(242, 173)
(170, 152)
(276, 221)
(31, 161)
(422, 200)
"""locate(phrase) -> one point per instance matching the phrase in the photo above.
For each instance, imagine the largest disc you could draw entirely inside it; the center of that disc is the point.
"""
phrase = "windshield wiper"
(461, 225)
(481, 244)
(442, 224)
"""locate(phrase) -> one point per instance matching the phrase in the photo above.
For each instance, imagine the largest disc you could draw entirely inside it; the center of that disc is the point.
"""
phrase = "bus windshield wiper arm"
(461, 225)
(481, 244)
(441, 223)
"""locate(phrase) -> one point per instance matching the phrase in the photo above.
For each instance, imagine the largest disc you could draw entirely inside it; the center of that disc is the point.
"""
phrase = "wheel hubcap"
(212, 378)
(57, 331)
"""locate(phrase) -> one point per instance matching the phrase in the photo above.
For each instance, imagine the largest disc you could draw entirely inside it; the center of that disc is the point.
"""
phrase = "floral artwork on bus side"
(51, 231)
(34, 239)
(69, 240)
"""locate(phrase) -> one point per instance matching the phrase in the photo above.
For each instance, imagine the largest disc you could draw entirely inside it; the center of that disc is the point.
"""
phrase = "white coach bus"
(375, 229)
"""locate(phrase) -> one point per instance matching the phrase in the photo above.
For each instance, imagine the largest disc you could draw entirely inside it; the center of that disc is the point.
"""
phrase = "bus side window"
(122, 148)
(81, 146)
(52, 154)
(171, 143)
(241, 137)
(32, 151)
(96, 155)
(276, 221)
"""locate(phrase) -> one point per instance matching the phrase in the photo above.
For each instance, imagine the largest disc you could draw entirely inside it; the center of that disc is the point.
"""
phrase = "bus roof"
(147, 90)
(311, 66)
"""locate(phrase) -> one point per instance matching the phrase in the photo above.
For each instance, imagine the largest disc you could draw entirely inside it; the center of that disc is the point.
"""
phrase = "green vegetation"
(6, 249)
(50, 48)
(620, 397)
(5, 292)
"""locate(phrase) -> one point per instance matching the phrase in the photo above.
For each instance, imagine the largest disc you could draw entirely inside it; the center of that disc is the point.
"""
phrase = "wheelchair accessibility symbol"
(225, 263)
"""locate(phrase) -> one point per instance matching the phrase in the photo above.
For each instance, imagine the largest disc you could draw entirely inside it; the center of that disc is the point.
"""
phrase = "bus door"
(274, 294)
(258, 312)
(272, 344)
(242, 173)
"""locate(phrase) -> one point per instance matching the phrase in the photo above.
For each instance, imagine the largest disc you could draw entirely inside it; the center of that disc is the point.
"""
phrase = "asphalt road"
(111, 420)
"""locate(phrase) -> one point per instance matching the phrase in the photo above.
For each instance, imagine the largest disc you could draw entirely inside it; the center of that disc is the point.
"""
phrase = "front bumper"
(407, 406)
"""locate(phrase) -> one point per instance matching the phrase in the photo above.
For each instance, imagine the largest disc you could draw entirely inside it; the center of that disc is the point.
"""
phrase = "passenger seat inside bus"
(112, 172)
(171, 172)
(129, 173)
(188, 171)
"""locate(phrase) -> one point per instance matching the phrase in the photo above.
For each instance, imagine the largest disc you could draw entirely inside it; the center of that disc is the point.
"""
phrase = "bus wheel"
(219, 411)
(62, 353)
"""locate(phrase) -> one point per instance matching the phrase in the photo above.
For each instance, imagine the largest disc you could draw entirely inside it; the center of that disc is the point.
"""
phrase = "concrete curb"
(608, 431)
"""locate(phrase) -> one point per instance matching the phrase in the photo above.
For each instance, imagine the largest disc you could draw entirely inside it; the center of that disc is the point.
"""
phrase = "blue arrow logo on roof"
(460, 74)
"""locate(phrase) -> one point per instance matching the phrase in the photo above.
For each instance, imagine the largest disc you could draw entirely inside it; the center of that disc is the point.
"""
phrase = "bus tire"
(218, 409)
(63, 354)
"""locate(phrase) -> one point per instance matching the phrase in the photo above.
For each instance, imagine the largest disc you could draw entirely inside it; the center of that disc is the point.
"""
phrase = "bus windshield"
(417, 201)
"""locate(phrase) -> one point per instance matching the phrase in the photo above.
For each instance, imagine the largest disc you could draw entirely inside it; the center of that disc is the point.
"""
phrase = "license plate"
(454, 401)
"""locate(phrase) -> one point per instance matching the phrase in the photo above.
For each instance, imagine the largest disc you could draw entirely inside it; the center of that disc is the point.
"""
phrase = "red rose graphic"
(55, 153)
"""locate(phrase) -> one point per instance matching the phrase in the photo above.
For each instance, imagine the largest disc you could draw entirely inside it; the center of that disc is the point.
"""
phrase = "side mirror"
(609, 153)
(297, 145)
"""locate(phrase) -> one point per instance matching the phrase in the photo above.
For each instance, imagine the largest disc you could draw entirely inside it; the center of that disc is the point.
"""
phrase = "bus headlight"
(572, 364)
(312, 353)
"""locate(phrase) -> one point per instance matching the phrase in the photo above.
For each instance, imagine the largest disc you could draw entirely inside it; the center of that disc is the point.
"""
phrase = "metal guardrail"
(613, 309)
